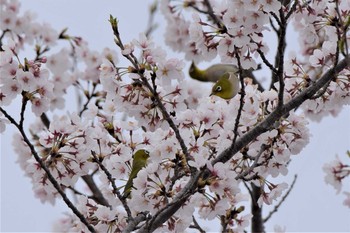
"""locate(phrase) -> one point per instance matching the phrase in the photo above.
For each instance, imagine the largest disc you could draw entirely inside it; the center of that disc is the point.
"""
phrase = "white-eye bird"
(139, 162)
(227, 86)
(212, 73)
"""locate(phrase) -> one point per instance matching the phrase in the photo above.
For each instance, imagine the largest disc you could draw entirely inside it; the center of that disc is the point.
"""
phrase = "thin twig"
(164, 214)
(89, 97)
(97, 194)
(2, 36)
(151, 25)
(212, 15)
(265, 125)
(156, 100)
(344, 30)
(241, 101)
(169, 209)
(77, 192)
(275, 209)
(45, 120)
(23, 108)
(279, 21)
(249, 190)
(48, 173)
(266, 62)
(254, 165)
(115, 189)
(166, 116)
(280, 55)
(196, 225)
(292, 9)
(273, 26)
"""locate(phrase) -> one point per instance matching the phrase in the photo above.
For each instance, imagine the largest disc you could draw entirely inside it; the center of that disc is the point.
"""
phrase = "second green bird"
(224, 75)
(139, 162)
(212, 73)
(227, 86)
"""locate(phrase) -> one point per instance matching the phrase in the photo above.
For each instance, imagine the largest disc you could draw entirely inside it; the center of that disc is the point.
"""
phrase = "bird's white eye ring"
(218, 89)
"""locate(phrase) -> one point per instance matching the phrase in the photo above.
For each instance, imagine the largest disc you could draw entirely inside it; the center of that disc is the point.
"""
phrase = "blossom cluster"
(323, 34)
(151, 105)
(239, 25)
(336, 171)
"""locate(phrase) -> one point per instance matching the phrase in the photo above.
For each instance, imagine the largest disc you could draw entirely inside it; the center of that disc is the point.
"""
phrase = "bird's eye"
(218, 89)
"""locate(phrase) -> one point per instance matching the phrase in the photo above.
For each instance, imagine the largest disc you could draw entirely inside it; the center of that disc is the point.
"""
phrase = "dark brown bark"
(257, 220)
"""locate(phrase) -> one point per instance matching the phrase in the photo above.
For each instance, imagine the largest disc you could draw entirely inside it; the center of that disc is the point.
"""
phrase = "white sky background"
(311, 206)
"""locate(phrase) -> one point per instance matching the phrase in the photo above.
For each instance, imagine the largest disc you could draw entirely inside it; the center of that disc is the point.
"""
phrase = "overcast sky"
(312, 205)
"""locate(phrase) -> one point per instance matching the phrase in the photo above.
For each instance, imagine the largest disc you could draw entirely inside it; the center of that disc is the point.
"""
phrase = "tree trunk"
(257, 220)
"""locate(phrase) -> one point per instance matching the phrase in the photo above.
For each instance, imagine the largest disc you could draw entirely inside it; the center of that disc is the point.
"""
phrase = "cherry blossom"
(347, 200)
(336, 171)
(204, 159)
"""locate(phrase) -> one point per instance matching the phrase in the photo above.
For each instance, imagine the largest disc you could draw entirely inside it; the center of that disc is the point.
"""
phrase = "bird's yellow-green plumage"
(227, 86)
(139, 162)
(212, 73)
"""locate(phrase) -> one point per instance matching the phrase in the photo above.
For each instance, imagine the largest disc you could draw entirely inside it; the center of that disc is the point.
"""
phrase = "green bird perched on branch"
(227, 86)
(139, 162)
(212, 73)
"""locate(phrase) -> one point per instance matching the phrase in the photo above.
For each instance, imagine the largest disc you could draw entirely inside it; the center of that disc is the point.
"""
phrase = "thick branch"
(133, 224)
(278, 113)
(164, 214)
(170, 209)
(257, 220)
(96, 192)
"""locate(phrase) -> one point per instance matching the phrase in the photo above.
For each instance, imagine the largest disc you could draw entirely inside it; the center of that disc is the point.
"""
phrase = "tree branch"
(48, 173)
(157, 101)
(163, 215)
(196, 225)
(115, 189)
(241, 102)
(280, 55)
(210, 12)
(96, 192)
(282, 200)
(278, 113)
(255, 163)
(257, 222)
(133, 224)
(23, 108)
(266, 62)
(151, 25)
